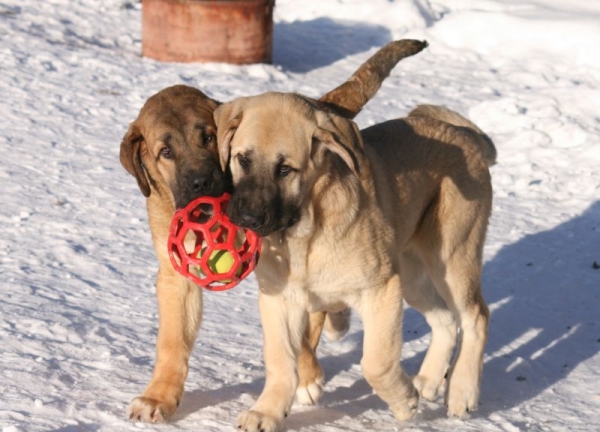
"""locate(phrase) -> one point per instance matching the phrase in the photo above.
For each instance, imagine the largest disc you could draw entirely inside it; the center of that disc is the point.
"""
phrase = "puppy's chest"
(321, 274)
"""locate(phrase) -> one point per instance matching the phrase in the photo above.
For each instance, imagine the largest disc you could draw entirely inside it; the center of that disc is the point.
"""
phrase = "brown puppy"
(171, 150)
(363, 224)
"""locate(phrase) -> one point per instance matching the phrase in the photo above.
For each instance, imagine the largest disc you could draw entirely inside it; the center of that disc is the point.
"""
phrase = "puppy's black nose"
(201, 184)
(252, 220)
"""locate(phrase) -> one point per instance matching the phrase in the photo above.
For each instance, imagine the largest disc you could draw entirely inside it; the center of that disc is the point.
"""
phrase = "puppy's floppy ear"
(130, 155)
(227, 118)
(344, 141)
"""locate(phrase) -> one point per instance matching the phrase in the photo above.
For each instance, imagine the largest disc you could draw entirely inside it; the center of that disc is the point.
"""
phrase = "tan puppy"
(171, 150)
(363, 222)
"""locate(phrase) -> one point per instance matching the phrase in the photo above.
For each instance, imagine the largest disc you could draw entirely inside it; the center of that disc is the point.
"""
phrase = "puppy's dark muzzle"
(258, 219)
(202, 185)
(251, 219)
(196, 185)
(259, 205)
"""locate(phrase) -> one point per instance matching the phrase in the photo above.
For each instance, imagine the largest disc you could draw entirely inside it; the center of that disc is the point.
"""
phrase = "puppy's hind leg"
(430, 380)
(337, 324)
(381, 311)
(420, 294)
(455, 269)
(180, 311)
(472, 316)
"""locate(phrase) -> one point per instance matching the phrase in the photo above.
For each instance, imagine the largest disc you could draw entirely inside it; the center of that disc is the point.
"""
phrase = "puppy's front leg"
(381, 310)
(310, 374)
(180, 312)
(283, 325)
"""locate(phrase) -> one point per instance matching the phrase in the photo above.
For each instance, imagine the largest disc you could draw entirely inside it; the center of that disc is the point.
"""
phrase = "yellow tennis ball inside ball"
(220, 261)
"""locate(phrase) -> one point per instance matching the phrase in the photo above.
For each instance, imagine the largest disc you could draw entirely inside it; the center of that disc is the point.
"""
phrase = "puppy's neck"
(336, 197)
(330, 211)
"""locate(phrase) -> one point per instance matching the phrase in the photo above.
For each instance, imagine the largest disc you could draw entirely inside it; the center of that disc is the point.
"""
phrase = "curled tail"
(350, 97)
(447, 115)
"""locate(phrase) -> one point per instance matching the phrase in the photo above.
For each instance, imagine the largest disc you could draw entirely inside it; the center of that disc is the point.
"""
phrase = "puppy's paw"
(310, 393)
(254, 421)
(429, 388)
(406, 410)
(310, 384)
(150, 410)
(336, 325)
(461, 399)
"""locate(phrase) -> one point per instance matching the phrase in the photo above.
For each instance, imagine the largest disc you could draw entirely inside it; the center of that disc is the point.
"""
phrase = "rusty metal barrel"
(224, 31)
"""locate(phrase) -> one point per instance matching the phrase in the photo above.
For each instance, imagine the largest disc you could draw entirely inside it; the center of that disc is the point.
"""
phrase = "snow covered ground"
(77, 311)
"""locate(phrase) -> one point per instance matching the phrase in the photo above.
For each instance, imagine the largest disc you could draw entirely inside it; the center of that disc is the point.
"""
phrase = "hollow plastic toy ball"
(208, 249)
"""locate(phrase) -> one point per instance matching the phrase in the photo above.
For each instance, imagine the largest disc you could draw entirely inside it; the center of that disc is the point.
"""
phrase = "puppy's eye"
(208, 139)
(166, 152)
(283, 170)
(244, 161)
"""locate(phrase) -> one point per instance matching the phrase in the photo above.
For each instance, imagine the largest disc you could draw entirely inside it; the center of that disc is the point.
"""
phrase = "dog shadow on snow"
(302, 46)
(545, 320)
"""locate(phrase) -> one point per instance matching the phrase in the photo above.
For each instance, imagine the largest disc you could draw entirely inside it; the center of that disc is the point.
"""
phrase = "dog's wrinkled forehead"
(274, 123)
(177, 110)
(282, 128)
(177, 106)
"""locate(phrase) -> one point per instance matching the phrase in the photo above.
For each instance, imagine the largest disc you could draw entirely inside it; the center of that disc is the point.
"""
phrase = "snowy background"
(78, 316)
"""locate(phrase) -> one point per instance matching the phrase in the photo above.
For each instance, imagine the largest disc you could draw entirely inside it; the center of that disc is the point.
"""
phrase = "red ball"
(201, 235)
